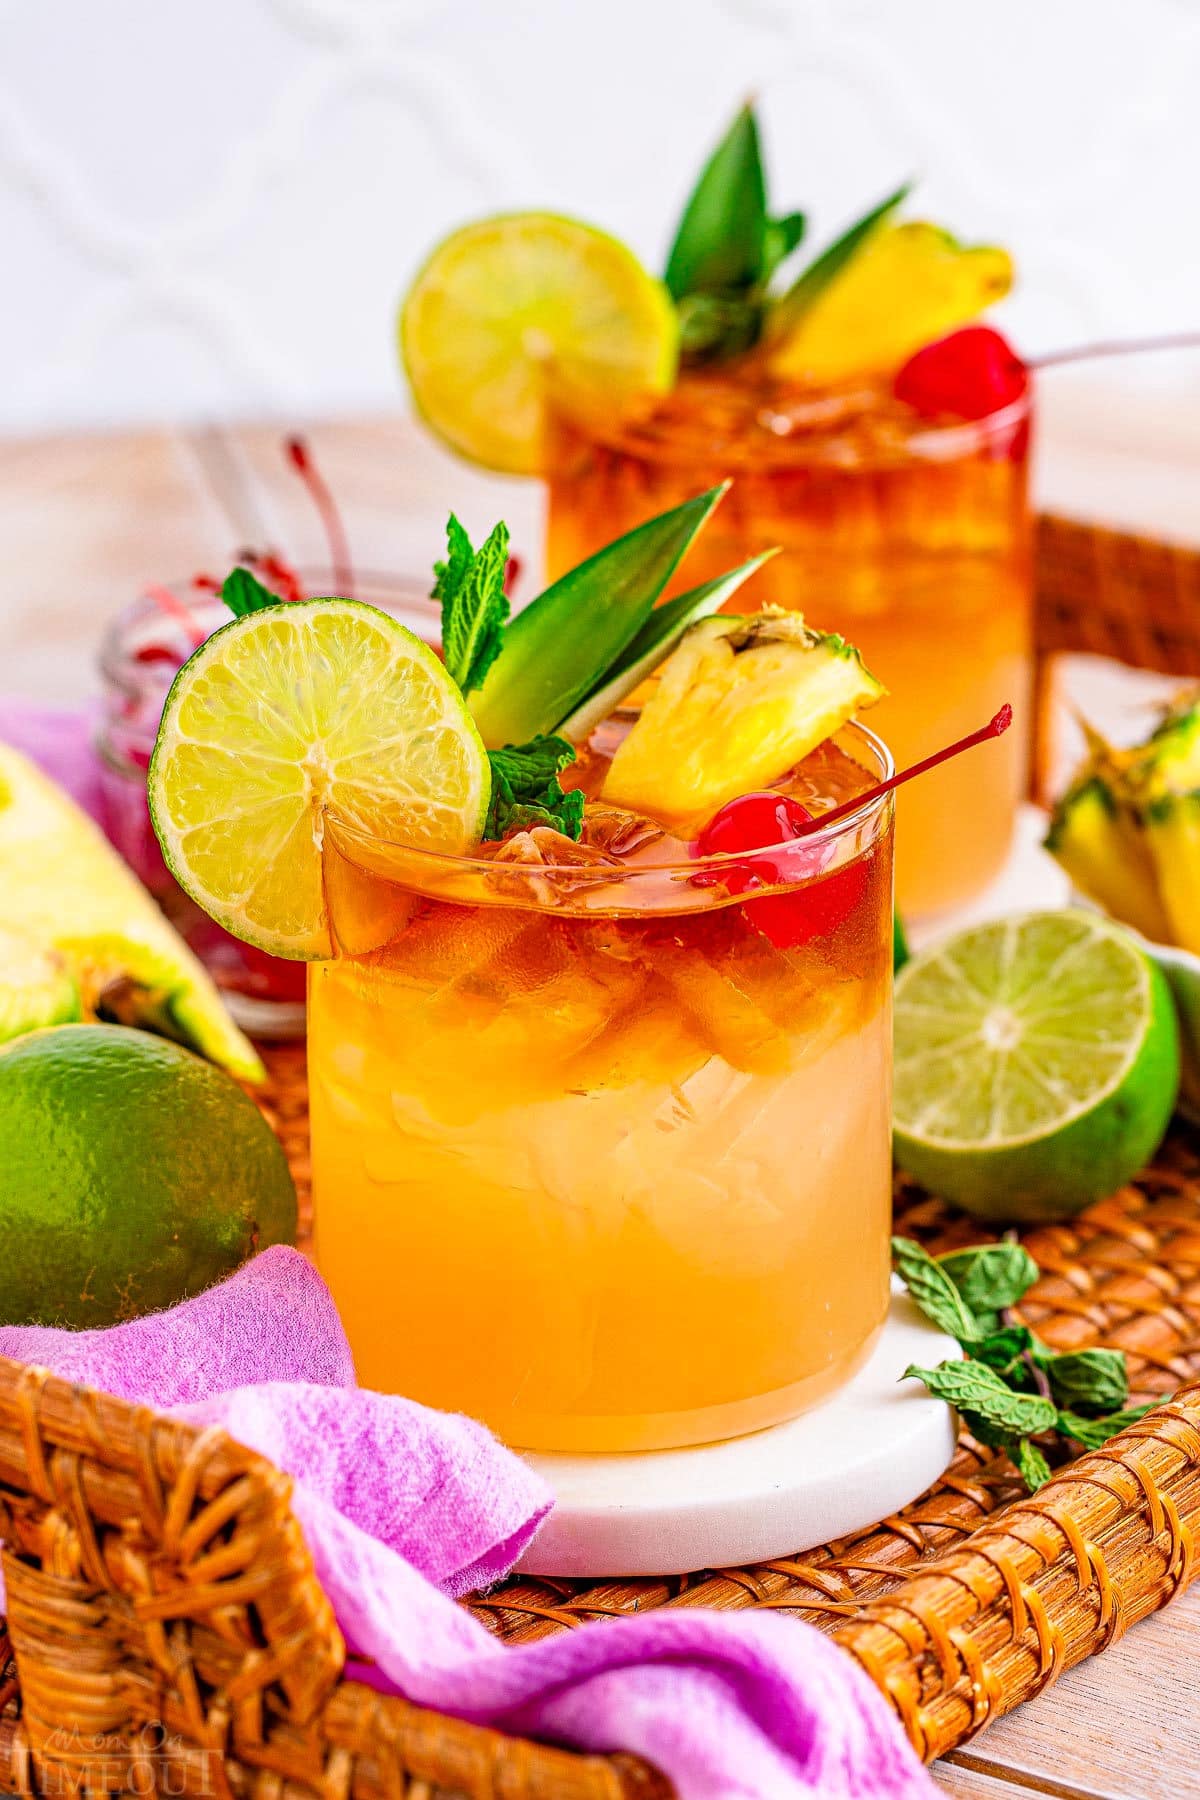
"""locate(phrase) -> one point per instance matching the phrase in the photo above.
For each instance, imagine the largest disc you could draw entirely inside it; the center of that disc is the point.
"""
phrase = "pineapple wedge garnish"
(738, 703)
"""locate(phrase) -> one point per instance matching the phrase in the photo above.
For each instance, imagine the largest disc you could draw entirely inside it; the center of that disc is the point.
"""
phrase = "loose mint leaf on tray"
(1004, 1350)
(979, 1392)
(1085, 1381)
(526, 790)
(933, 1290)
(244, 593)
(992, 1276)
(1092, 1433)
(470, 586)
(1032, 1464)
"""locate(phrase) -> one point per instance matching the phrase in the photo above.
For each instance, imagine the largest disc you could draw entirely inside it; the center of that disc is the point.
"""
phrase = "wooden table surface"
(86, 521)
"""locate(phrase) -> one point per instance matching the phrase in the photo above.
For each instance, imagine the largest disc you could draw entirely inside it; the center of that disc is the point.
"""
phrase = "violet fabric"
(404, 1508)
(60, 741)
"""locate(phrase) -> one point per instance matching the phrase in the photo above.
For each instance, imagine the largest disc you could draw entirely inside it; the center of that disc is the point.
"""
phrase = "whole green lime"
(132, 1174)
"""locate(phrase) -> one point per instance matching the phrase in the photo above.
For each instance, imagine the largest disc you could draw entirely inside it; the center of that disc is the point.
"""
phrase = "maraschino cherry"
(758, 821)
(969, 374)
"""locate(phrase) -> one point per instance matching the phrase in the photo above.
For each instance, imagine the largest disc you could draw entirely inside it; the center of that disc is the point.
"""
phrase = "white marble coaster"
(875, 1446)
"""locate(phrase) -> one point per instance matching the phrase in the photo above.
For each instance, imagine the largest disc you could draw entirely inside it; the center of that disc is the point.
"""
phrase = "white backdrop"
(209, 207)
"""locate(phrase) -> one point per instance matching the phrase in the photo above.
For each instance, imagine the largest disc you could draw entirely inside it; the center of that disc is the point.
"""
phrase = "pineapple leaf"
(719, 244)
(819, 275)
(653, 644)
(563, 644)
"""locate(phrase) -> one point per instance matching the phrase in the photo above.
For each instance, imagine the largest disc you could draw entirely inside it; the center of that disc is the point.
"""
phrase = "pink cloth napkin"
(404, 1509)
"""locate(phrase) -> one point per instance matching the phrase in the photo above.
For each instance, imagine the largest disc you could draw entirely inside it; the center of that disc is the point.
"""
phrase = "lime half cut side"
(1037, 1064)
(517, 319)
(287, 716)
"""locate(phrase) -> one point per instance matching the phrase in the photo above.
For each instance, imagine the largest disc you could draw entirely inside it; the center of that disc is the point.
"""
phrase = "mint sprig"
(244, 593)
(470, 586)
(526, 791)
(1009, 1387)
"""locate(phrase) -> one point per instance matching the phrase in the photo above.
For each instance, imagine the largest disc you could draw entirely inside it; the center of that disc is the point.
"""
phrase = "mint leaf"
(1085, 1381)
(1092, 1433)
(718, 245)
(470, 586)
(526, 790)
(1004, 1350)
(979, 1393)
(450, 575)
(244, 593)
(992, 1276)
(933, 1291)
(1032, 1464)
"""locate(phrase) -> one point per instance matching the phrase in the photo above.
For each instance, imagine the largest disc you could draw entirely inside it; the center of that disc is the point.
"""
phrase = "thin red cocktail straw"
(171, 604)
(331, 518)
(992, 729)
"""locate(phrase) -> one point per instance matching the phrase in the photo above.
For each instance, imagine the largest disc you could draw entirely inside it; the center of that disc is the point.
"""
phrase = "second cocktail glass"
(910, 537)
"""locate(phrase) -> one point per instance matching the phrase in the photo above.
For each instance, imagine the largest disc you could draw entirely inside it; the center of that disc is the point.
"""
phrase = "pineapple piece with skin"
(1165, 776)
(1100, 843)
(738, 703)
(65, 889)
(1173, 834)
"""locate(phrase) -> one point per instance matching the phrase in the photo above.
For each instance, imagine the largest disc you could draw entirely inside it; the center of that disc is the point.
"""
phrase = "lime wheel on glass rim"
(1036, 1064)
(519, 317)
(289, 713)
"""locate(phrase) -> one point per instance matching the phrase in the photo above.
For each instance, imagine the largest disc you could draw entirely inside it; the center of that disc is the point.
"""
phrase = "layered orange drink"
(873, 429)
(600, 925)
(601, 1146)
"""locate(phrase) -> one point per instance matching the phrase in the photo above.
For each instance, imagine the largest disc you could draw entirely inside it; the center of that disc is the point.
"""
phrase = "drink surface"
(595, 1159)
(909, 538)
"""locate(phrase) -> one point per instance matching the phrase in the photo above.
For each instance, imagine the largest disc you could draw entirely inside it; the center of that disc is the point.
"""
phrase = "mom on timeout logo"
(147, 1761)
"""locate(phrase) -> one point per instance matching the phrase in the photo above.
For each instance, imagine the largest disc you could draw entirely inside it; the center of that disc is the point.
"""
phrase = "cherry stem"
(174, 607)
(1180, 340)
(993, 729)
(339, 548)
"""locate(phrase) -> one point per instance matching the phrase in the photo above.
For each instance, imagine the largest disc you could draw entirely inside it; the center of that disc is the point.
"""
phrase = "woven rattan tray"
(167, 1633)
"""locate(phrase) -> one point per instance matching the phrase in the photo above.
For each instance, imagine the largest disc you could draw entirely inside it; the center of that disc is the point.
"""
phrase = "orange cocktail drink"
(911, 537)
(601, 1132)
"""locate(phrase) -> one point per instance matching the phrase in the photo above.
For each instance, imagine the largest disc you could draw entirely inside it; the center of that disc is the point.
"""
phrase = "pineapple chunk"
(1100, 844)
(738, 703)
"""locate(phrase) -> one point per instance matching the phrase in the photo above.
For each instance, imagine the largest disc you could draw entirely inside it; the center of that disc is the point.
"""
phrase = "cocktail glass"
(910, 537)
(602, 1141)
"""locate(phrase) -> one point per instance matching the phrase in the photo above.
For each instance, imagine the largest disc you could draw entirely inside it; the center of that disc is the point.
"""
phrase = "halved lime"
(1037, 1064)
(518, 318)
(289, 714)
